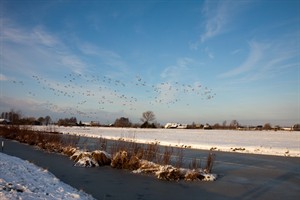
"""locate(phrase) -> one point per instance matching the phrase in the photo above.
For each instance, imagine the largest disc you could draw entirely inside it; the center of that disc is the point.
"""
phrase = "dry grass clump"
(147, 167)
(191, 175)
(122, 160)
(90, 159)
(101, 157)
(151, 152)
(69, 150)
(169, 173)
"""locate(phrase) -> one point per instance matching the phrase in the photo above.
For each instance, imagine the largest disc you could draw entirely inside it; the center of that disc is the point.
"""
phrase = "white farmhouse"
(176, 125)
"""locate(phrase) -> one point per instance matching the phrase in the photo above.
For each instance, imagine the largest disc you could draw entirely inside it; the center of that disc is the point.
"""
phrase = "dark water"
(241, 176)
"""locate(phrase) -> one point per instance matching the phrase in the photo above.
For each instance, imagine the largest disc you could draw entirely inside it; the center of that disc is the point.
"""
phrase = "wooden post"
(2, 146)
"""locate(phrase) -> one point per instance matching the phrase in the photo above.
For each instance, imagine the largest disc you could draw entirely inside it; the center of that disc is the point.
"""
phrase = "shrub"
(169, 173)
(101, 157)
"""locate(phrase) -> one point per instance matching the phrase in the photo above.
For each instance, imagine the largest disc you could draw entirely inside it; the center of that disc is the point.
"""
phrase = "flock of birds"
(103, 93)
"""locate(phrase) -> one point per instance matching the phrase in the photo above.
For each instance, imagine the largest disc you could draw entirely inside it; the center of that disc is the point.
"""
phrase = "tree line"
(147, 121)
(15, 118)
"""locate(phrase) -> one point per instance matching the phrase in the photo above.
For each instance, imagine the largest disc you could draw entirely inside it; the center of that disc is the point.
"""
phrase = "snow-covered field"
(281, 143)
(20, 179)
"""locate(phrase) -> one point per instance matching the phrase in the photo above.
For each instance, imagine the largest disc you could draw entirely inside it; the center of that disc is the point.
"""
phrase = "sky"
(187, 61)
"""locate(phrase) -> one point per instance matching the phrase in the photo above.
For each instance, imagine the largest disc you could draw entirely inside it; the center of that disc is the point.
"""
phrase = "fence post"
(2, 146)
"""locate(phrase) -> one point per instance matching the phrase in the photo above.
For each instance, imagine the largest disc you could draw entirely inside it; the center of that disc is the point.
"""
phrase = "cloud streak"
(107, 57)
(256, 54)
(218, 17)
(177, 71)
(265, 59)
(36, 49)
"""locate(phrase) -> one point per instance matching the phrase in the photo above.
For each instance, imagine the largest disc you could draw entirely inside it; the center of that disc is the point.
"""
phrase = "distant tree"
(122, 122)
(148, 125)
(216, 126)
(41, 120)
(148, 116)
(234, 124)
(27, 121)
(267, 126)
(192, 126)
(67, 121)
(296, 127)
(224, 124)
(47, 120)
(13, 116)
(80, 123)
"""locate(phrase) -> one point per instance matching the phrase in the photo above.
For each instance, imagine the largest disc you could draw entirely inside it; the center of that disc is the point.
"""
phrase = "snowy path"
(20, 179)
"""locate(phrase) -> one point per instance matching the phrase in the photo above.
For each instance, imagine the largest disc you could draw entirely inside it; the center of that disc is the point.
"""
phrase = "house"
(182, 126)
(296, 127)
(171, 125)
(4, 121)
(207, 127)
(176, 125)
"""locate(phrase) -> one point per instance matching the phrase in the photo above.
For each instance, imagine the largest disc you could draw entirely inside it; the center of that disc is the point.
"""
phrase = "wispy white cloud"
(265, 59)
(36, 49)
(256, 54)
(217, 18)
(41, 36)
(236, 51)
(217, 14)
(19, 35)
(73, 62)
(107, 58)
(177, 71)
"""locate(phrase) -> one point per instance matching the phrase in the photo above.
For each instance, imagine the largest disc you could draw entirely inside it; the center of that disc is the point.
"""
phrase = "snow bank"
(20, 179)
(280, 143)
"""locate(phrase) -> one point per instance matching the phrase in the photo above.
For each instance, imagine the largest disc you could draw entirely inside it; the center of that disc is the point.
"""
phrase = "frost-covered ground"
(281, 143)
(20, 179)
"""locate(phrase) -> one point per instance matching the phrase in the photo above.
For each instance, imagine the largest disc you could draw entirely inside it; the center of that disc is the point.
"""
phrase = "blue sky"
(187, 61)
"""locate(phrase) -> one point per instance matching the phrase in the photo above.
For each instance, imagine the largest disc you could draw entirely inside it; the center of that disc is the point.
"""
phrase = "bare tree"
(47, 120)
(234, 124)
(148, 116)
(224, 124)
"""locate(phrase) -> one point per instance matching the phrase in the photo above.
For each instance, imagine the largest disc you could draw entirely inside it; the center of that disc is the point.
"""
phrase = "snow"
(20, 179)
(280, 143)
